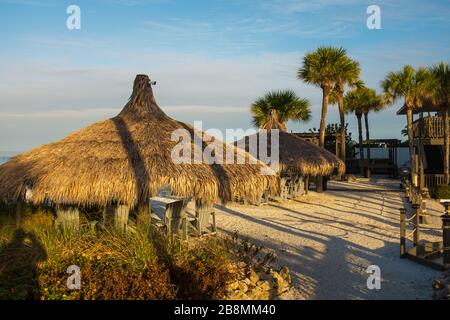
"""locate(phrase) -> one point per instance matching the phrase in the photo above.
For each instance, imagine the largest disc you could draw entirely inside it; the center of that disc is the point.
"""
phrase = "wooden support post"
(259, 200)
(319, 184)
(402, 233)
(116, 216)
(67, 217)
(414, 177)
(423, 212)
(421, 172)
(446, 235)
(143, 213)
(301, 186)
(306, 184)
(416, 213)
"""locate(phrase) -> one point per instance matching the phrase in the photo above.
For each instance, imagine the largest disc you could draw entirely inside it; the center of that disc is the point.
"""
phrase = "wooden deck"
(430, 130)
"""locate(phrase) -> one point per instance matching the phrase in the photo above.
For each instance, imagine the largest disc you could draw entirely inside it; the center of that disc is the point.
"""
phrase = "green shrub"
(443, 191)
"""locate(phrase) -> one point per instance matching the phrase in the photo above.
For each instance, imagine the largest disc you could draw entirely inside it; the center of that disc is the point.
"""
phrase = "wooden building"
(428, 132)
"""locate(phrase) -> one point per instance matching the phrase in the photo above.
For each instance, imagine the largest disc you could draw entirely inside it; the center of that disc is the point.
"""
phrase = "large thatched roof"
(127, 159)
(298, 154)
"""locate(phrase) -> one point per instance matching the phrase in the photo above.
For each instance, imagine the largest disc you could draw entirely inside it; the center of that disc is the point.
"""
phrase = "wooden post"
(446, 234)
(402, 233)
(319, 184)
(306, 185)
(67, 217)
(421, 167)
(266, 197)
(116, 216)
(423, 212)
(415, 172)
(416, 213)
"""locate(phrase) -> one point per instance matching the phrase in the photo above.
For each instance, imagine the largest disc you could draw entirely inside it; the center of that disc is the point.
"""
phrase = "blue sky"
(211, 58)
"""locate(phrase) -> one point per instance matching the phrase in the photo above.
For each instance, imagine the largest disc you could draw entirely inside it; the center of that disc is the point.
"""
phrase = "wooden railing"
(432, 181)
(431, 127)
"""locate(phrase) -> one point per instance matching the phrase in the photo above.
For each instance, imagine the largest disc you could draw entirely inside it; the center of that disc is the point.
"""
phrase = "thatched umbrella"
(126, 160)
(297, 156)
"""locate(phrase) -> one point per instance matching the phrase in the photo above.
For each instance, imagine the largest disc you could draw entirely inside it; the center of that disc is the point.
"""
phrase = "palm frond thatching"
(127, 159)
(297, 154)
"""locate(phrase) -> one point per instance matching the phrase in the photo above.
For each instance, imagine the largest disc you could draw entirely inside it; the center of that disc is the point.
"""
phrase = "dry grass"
(142, 265)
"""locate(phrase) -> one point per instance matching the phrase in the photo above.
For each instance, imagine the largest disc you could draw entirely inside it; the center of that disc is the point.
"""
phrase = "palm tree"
(361, 102)
(354, 103)
(277, 107)
(347, 75)
(441, 73)
(320, 68)
(374, 103)
(414, 86)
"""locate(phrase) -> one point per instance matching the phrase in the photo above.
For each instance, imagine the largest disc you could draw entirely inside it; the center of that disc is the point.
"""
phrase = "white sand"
(328, 241)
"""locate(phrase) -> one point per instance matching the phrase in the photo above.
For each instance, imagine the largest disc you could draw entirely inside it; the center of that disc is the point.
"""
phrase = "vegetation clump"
(144, 264)
(443, 191)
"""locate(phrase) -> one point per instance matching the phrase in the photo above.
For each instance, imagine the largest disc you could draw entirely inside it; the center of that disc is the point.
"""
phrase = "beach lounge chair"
(170, 214)
(205, 220)
(175, 217)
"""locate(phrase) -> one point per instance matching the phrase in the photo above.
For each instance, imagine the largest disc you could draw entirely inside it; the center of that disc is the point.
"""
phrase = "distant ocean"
(3, 159)
(6, 155)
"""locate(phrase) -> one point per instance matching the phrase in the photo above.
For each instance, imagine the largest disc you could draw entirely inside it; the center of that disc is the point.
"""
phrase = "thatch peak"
(142, 102)
(127, 160)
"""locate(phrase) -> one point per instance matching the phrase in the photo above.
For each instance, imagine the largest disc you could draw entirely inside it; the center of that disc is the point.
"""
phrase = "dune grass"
(145, 264)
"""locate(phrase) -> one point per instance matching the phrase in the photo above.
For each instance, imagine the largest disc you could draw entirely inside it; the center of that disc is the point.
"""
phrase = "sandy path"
(329, 240)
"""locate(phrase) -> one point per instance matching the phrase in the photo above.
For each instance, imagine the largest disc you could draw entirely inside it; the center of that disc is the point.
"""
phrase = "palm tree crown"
(441, 73)
(363, 100)
(277, 107)
(320, 67)
(441, 98)
(415, 86)
(348, 74)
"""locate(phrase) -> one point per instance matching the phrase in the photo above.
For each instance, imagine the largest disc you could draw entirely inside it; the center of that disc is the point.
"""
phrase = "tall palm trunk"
(409, 117)
(360, 136)
(366, 122)
(342, 119)
(323, 118)
(446, 145)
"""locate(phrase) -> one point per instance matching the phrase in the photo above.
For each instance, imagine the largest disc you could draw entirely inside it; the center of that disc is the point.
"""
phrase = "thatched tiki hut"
(120, 163)
(298, 160)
